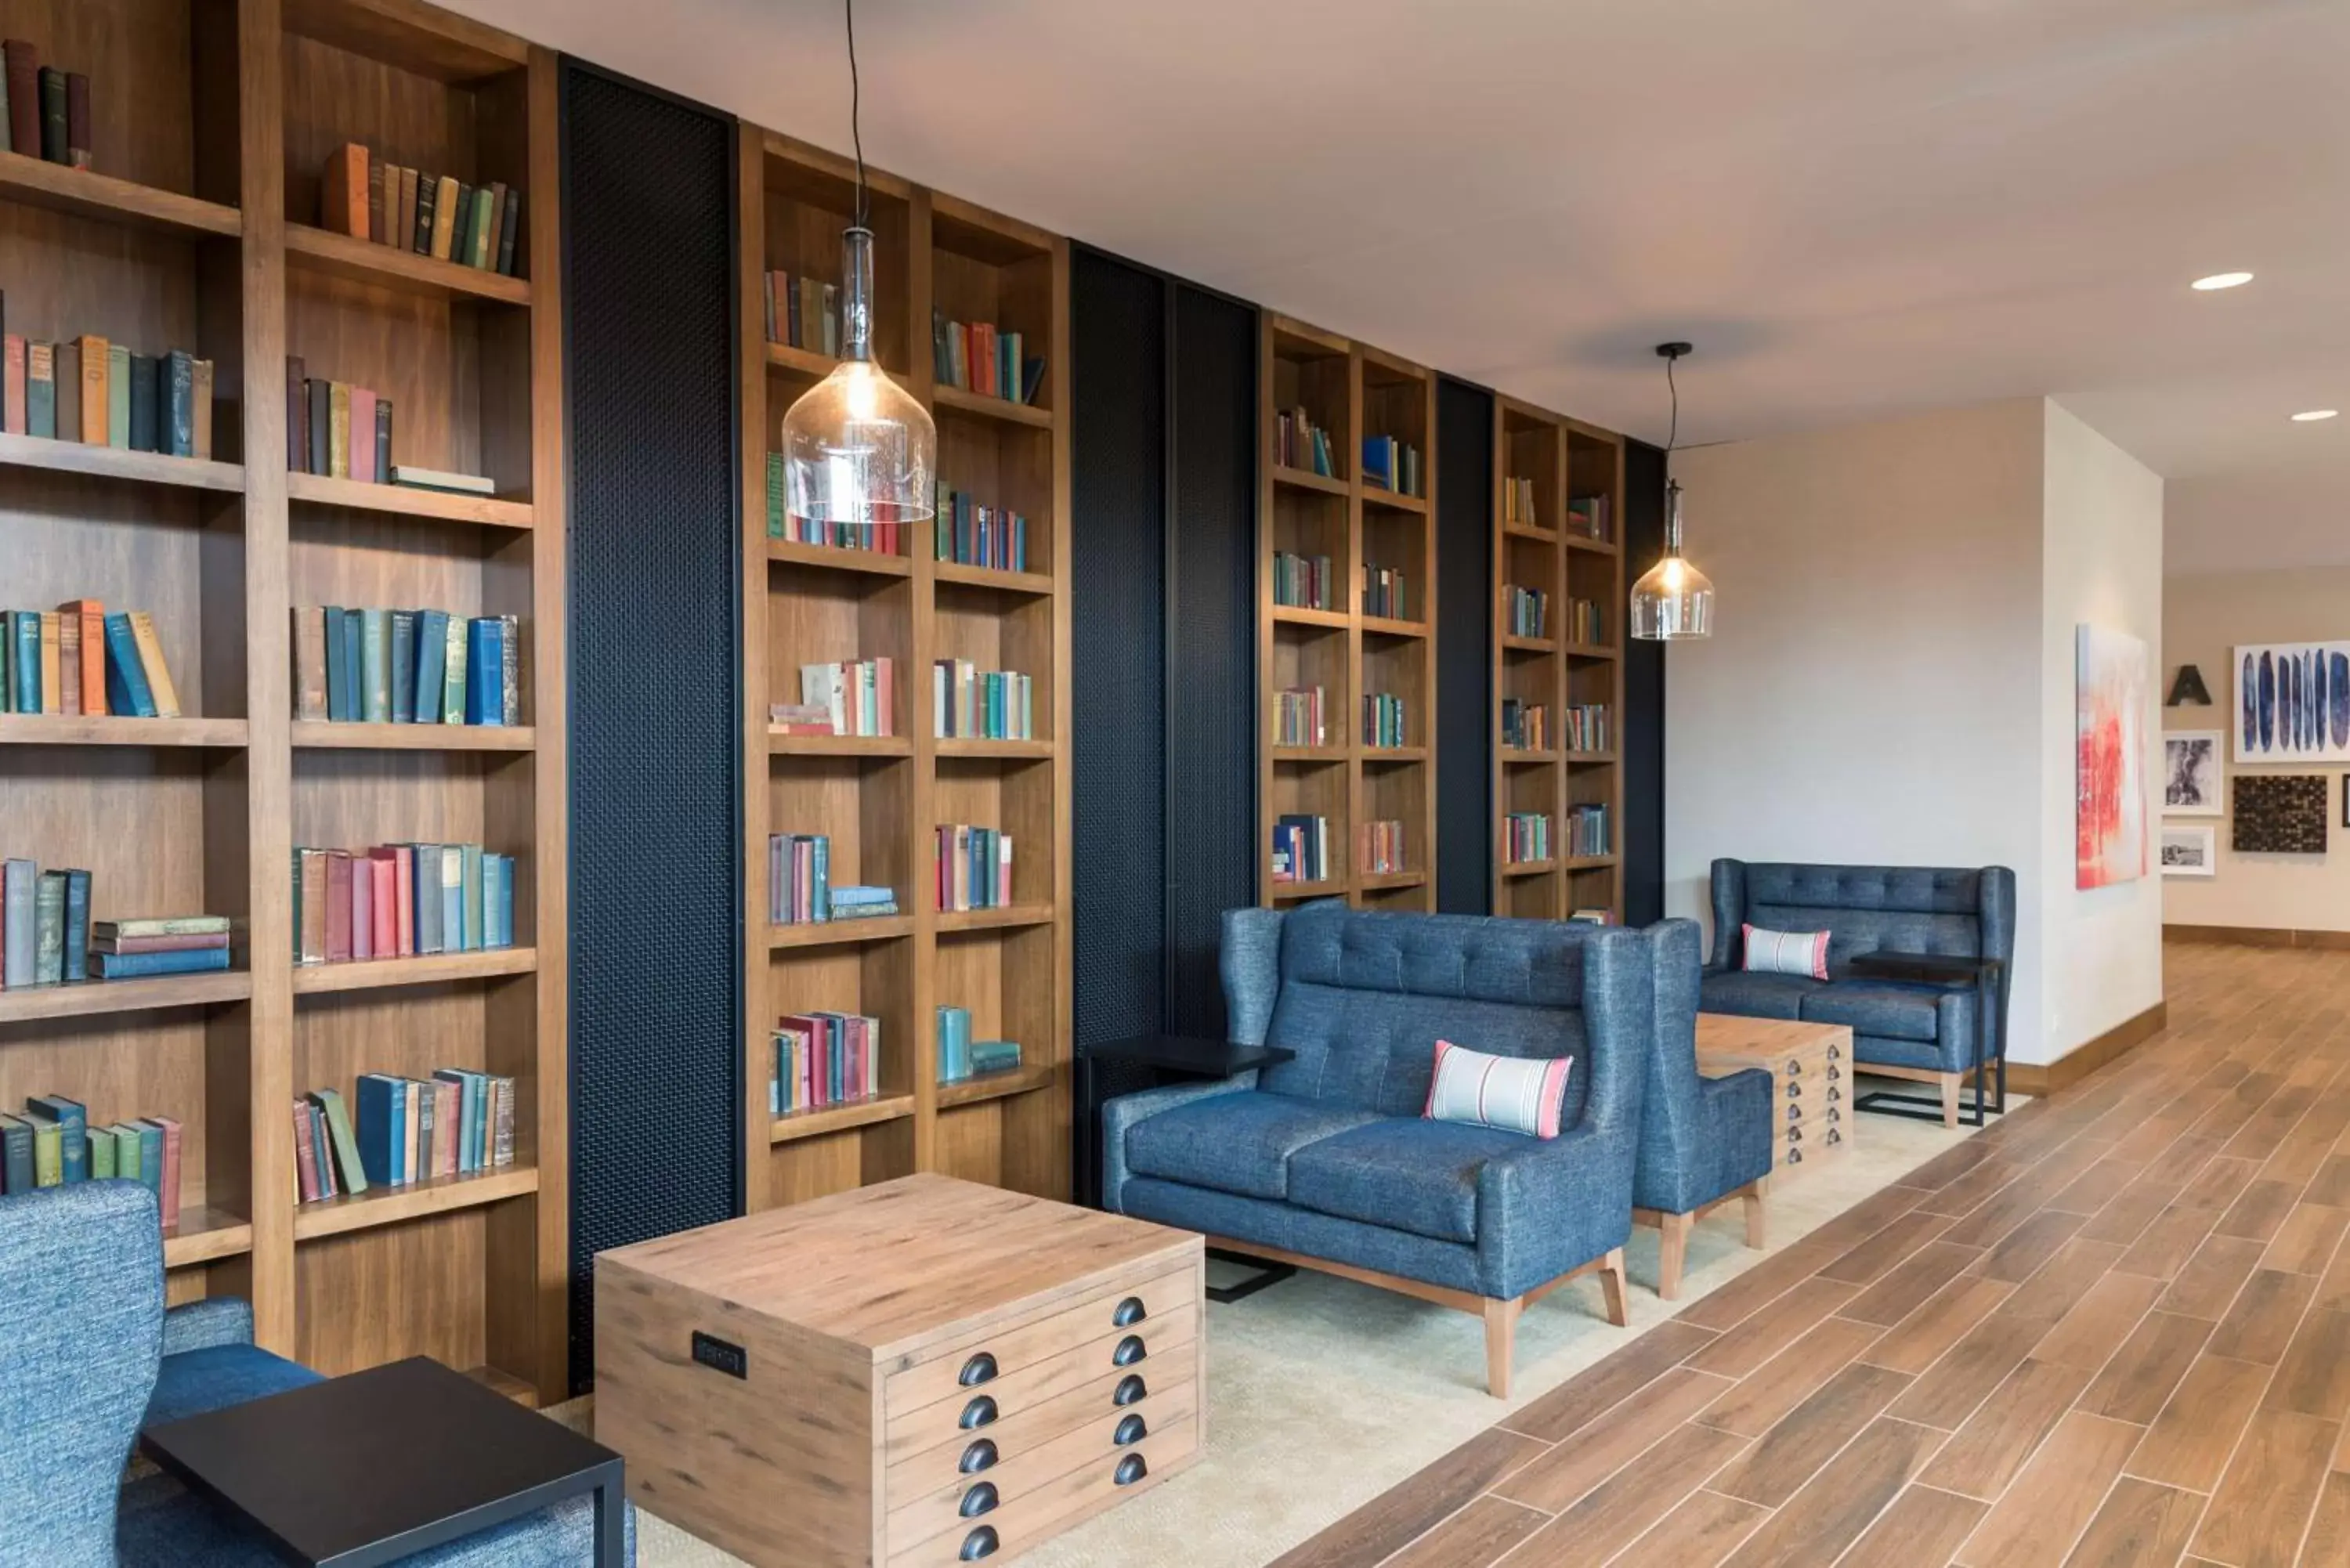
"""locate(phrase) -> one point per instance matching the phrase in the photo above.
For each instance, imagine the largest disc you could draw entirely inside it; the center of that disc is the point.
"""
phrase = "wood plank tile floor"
(2113, 1330)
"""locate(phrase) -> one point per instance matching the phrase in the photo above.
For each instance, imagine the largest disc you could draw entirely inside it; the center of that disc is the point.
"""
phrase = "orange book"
(93, 388)
(53, 699)
(343, 198)
(12, 417)
(92, 616)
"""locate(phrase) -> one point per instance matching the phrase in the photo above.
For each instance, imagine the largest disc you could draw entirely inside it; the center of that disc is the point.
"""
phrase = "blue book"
(73, 1131)
(403, 666)
(342, 671)
(493, 899)
(151, 1155)
(486, 664)
(424, 885)
(453, 934)
(820, 879)
(25, 642)
(432, 651)
(15, 1155)
(375, 665)
(139, 966)
(77, 925)
(126, 676)
(381, 1134)
(354, 664)
(477, 929)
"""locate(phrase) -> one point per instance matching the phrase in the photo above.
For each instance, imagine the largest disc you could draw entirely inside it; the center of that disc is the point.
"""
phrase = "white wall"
(2102, 566)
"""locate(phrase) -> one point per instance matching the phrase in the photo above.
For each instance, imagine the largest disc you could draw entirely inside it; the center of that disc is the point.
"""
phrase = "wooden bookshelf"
(879, 798)
(1352, 391)
(196, 229)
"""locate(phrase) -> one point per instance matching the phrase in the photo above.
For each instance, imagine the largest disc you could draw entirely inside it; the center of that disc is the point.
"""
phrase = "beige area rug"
(1322, 1394)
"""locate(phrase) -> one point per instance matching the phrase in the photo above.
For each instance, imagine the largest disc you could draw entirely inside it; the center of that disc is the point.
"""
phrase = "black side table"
(1165, 1056)
(1945, 972)
(372, 1467)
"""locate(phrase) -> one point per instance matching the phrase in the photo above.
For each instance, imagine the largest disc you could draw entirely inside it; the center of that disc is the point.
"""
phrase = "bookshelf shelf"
(1382, 881)
(1527, 868)
(1590, 759)
(1006, 751)
(429, 969)
(1307, 479)
(407, 501)
(1585, 651)
(1394, 501)
(1002, 918)
(92, 999)
(1038, 585)
(115, 463)
(1393, 756)
(823, 1119)
(1380, 626)
(1291, 892)
(206, 1235)
(380, 1205)
(364, 261)
(832, 558)
(954, 400)
(1529, 531)
(839, 933)
(1519, 757)
(66, 729)
(1515, 644)
(1298, 615)
(1587, 862)
(805, 362)
(312, 735)
(1308, 756)
(785, 745)
(996, 1086)
(84, 194)
(1589, 547)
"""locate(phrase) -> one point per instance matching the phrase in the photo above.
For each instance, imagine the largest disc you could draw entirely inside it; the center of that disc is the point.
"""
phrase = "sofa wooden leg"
(1951, 1082)
(1672, 1254)
(1611, 1286)
(1501, 1339)
(1758, 1222)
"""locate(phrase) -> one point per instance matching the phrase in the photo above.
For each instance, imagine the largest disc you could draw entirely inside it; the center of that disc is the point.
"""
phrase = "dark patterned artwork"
(2280, 813)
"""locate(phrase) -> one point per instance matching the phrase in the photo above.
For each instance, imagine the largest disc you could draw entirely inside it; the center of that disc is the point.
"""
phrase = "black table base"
(1268, 1273)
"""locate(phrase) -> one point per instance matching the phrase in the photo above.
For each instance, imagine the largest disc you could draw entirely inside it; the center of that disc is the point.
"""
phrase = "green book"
(375, 665)
(117, 395)
(453, 676)
(126, 1153)
(49, 1154)
(775, 495)
(102, 1154)
(165, 926)
(49, 930)
(41, 388)
(485, 230)
(472, 874)
(347, 1145)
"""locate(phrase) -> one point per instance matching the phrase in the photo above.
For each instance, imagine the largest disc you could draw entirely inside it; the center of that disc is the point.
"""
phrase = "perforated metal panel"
(1643, 735)
(1465, 660)
(655, 634)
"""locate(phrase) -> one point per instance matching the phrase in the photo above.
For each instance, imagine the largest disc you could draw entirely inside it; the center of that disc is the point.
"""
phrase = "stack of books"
(55, 1144)
(436, 215)
(1525, 726)
(1518, 503)
(803, 311)
(1587, 729)
(1383, 721)
(988, 705)
(1587, 830)
(972, 868)
(1586, 622)
(969, 534)
(44, 112)
(980, 357)
(1593, 916)
(1298, 717)
(459, 1122)
(1525, 836)
(1587, 515)
(1390, 464)
(824, 1059)
(883, 538)
(161, 944)
(1301, 582)
(800, 889)
(401, 900)
(1301, 848)
(1299, 443)
(99, 393)
(1382, 845)
(847, 697)
(77, 659)
(962, 1058)
(1525, 612)
(1383, 593)
(406, 667)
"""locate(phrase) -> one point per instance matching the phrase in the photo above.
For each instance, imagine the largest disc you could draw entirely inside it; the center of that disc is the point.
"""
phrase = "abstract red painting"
(2110, 768)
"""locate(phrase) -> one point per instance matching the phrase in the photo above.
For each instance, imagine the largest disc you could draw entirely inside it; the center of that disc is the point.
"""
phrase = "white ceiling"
(1852, 207)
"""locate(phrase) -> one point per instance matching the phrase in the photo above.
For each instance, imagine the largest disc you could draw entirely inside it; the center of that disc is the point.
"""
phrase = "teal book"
(484, 671)
(431, 663)
(177, 386)
(15, 1155)
(494, 897)
(452, 674)
(382, 1139)
(126, 674)
(151, 1155)
(375, 665)
(77, 925)
(49, 930)
(72, 1122)
(145, 966)
(354, 657)
(403, 666)
(41, 388)
(24, 657)
(340, 683)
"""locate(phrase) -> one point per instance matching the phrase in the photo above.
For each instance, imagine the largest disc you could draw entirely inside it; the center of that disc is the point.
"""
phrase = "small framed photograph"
(2191, 785)
(2190, 851)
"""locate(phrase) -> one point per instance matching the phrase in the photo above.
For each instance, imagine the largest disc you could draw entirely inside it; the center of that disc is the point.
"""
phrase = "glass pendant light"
(1672, 599)
(858, 450)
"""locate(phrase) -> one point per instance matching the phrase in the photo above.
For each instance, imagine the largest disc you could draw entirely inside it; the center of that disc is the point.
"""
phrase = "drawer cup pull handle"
(980, 1412)
(980, 1456)
(979, 1500)
(1129, 1470)
(1133, 1429)
(979, 1369)
(1130, 1389)
(1129, 1350)
(1130, 1311)
(979, 1543)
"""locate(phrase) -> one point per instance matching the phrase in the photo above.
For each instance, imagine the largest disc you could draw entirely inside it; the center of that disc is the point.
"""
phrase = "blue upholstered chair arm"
(1552, 1204)
(1118, 1115)
(203, 1325)
(1250, 963)
(1739, 1115)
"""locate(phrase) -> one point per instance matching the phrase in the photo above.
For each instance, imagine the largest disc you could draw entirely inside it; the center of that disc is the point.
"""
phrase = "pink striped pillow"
(1510, 1094)
(1786, 952)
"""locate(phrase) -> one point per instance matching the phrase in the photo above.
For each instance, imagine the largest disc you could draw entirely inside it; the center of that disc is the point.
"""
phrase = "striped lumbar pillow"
(1786, 952)
(1511, 1094)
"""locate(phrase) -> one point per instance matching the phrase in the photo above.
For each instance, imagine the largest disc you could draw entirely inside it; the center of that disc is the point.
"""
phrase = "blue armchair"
(1926, 1033)
(1704, 1142)
(1325, 1160)
(88, 1355)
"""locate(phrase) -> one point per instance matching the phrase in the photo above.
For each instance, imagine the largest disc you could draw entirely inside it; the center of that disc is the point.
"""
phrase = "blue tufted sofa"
(1922, 1032)
(1326, 1161)
(88, 1356)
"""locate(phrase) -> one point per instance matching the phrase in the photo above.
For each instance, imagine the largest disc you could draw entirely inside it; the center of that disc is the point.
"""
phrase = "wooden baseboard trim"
(2044, 1078)
(2258, 937)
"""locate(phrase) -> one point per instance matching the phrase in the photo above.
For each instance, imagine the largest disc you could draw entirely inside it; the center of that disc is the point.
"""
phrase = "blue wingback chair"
(1325, 1160)
(1926, 1033)
(88, 1355)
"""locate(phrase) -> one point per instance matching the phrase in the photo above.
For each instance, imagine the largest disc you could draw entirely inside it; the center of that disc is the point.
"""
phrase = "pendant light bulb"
(1673, 599)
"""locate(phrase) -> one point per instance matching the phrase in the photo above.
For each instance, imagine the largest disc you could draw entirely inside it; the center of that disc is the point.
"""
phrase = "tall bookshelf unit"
(196, 229)
(879, 798)
(1351, 392)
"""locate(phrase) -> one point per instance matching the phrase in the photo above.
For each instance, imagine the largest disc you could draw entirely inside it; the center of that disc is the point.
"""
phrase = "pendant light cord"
(856, 102)
(1673, 437)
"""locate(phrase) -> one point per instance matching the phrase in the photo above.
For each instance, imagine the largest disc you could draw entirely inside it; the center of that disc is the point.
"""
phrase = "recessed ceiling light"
(2222, 280)
(2310, 415)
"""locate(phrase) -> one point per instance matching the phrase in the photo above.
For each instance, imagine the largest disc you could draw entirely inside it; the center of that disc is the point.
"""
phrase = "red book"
(306, 1155)
(338, 905)
(168, 1194)
(12, 411)
(362, 908)
(885, 695)
(23, 96)
(384, 919)
(444, 1114)
(196, 942)
(403, 889)
(363, 433)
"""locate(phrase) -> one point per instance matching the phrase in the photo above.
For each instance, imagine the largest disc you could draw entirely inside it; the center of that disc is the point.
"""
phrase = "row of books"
(824, 1059)
(846, 697)
(1301, 582)
(1383, 593)
(969, 534)
(1299, 443)
(458, 1122)
(962, 1058)
(980, 357)
(1518, 508)
(53, 1144)
(1382, 845)
(800, 889)
(97, 393)
(972, 868)
(1391, 464)
(803, 311)
(335, 429)
(44, 112)
(1525, 612)
(783, 522)
(1587, 830)
(1297, 715)
(46, 937)
(1589, 515)
(79, 659)
(982, 704)
(1586, 622)
(401, 900)
(1588, 727)
(1525, 836)
(360, 666)
(436, 215)
(1301, 848)
(1525, 726)
(1383, 721)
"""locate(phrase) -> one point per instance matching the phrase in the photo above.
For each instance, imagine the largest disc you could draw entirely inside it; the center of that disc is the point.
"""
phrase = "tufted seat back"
(1960, 912)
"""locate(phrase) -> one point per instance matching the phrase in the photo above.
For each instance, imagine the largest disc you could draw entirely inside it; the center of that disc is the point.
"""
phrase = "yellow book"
(339, 429)
(445, 216)
(53, 691)
(94, 379)
(203, 402)
(150, 659)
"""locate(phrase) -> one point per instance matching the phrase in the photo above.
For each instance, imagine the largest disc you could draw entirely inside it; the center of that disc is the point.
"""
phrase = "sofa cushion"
(1234, 1143)
(1414, 1175)
(1511, 1094)
(196, 1381)
(1784, 953)
(1755, 995)
(1880, 1007)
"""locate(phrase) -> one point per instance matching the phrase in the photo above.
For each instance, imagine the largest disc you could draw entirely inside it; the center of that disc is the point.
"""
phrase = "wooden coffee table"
(1811, 1073)
(922, 1372)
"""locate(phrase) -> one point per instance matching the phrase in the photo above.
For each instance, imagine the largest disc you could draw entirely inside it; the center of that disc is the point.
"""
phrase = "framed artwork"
(2109, 813)
(2280, 813)
(2191, 773)
(2190, 851)
(2292, 702)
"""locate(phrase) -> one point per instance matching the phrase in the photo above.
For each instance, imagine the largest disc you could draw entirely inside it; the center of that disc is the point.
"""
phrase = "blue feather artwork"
(2292, 702)
(2338, 704)
(2248, 688)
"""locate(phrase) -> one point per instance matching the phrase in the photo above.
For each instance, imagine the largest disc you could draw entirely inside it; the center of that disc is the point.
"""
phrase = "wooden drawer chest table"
(1811, 1065)
(922, 1372)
